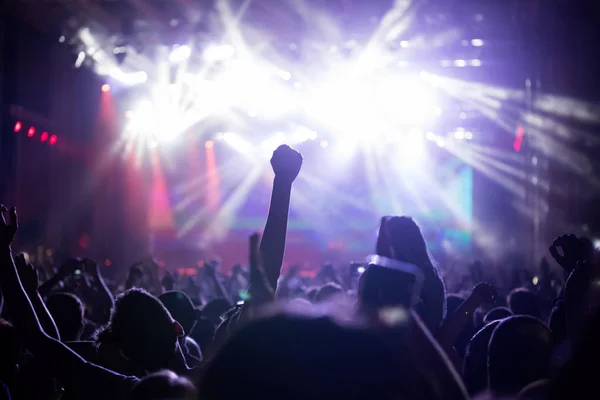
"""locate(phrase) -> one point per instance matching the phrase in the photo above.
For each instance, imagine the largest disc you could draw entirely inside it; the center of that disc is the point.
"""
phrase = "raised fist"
(573, 251)
(8, 225)
(286, 163)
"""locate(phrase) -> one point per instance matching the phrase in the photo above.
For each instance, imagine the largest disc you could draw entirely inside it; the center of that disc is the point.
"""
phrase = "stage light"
(209, 144)
(440, 142)
(475, 63)
(18, 126)
(129, 79)
(519, 139)
(404, 44)
(459, 134)
(269, 145)
(53, 140)
(128, 114)
(430, 136)
(468, 135)
(31, 132)
(477, 42)
(302, 134)
(44, 136)
(105, 88)
(460, 63)
(324, 144)
(80, 59)
(179, 54)
(61, 39)
(219, 52)
(411, 148)
(237, 143)
(107, 263)
(360, 270)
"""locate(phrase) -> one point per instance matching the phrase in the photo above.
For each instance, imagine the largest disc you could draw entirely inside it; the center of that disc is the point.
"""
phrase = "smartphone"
(388, 282)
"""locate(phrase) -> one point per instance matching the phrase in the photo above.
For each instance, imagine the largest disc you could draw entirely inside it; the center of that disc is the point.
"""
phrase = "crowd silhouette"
(389, 329)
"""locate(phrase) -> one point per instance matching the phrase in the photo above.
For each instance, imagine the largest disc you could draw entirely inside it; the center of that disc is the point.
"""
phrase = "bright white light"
(535, 280)
(363, 109)
(219, 52)
(404, 44)
(324, 144)
(468, 135)
(161, 121)
(440, 141)
(129, 79)
(475, 63)
(360, 270)
(302, 134)
(596, 243)
(459, 134)
(61, 39)
(477, 42)
(80, 59)
(411, 147)
(269, 145)
(236, 142)
(460, 63)
(430, 136)
(179, 54)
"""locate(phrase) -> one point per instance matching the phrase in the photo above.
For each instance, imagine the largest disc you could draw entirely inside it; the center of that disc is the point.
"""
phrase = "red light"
(44, 136)
(18, 126)
(105, 87)
(31, 132)
(107, 262)
(53, 139)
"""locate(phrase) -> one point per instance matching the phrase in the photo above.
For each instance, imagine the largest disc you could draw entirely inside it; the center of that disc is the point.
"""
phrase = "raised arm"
(103, 298)
(62, 362)
(29, 279)
(286, 164)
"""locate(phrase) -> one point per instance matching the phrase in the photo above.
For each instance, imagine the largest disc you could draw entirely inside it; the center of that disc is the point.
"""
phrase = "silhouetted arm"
(69, 368)
(286, 165)
(447, 334)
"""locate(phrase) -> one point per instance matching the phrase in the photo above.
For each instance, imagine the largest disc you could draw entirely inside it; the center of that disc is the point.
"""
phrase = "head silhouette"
(522, 301)
(143, 329)
(475, 362)
(520, 352)
(163, 385)
(300, 357)
(67, 311)
(496, 314)
(400, 238)
(181, 308)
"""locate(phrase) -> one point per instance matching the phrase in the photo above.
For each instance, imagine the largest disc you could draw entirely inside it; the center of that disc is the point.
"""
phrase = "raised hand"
(573, 251)
(286, 163)
(91, 267)
(8, 225)
(27, 273)
(68, 267)
(483, 293)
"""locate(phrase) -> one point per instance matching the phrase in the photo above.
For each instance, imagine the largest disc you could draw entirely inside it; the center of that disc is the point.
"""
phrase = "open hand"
(286, 163)
(8, 225)
(28, 274)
